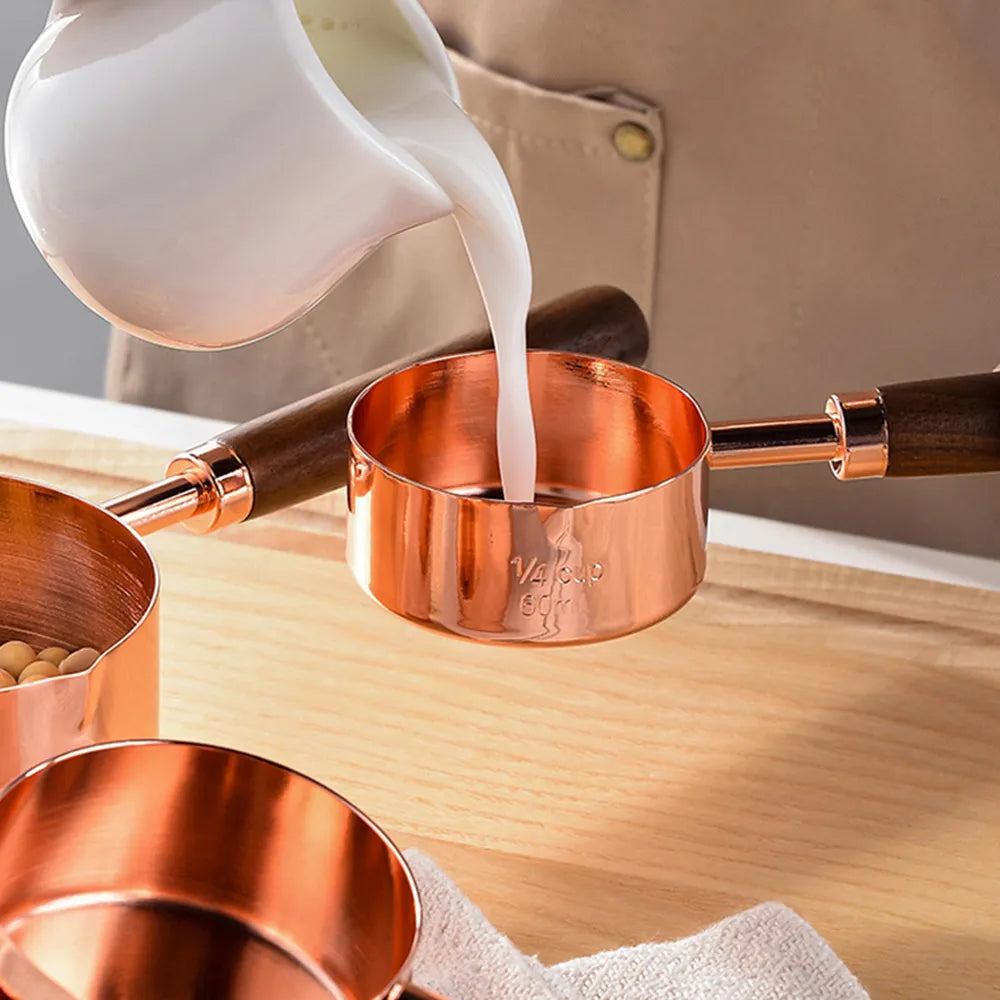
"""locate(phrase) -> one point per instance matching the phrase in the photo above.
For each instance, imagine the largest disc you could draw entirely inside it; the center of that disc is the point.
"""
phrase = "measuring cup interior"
(72, 574)
(614, 542)
(167, 869)
(603, 428)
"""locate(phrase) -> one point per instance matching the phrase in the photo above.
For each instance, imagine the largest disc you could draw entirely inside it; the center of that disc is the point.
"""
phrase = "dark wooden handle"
(300, 451)
(944, 427)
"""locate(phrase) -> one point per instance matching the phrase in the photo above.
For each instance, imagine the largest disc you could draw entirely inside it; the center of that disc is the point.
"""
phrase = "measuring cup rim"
(611, 498)
(401, 975)
(143, 548)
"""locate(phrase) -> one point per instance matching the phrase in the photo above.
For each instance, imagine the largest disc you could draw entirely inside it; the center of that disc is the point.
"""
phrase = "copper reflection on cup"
(614, 542)
(155, 869)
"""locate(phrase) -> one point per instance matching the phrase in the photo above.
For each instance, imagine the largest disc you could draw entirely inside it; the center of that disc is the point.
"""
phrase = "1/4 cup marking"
(535, 573)
(538, 574)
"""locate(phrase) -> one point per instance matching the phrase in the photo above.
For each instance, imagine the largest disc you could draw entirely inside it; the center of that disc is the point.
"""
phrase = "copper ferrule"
(217, 465)
(207, 488)
(861, 425)
(851, 435)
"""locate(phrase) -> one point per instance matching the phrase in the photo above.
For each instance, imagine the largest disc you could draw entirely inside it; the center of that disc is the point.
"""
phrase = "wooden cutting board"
(821, 736)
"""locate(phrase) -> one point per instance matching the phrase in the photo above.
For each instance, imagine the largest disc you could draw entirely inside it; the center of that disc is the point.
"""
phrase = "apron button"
(634, 142)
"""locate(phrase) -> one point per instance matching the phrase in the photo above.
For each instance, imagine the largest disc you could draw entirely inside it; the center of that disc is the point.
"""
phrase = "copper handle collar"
(859, 418)
(231, 486)
(852, 435)
(207, 487)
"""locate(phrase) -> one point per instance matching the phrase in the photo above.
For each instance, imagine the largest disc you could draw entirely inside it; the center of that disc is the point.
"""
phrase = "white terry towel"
(767, 953)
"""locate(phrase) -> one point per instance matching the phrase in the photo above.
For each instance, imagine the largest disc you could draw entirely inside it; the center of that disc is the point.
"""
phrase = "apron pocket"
(586, 169)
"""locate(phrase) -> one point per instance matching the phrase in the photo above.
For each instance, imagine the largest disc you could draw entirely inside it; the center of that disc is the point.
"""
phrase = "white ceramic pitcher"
(194, 174)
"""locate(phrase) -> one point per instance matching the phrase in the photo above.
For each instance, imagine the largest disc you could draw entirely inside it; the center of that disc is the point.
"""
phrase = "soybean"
(54, 654)
(40, 670)
(15, 656)
(79, 661)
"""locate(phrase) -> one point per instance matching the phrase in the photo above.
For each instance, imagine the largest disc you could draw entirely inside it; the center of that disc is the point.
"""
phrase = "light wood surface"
(799, 732)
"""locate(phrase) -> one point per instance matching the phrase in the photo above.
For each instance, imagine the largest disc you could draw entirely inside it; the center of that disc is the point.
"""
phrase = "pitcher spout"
(387, 60)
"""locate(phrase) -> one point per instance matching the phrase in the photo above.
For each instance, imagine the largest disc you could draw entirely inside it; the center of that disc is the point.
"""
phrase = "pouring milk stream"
(202, 172)
(374, 68)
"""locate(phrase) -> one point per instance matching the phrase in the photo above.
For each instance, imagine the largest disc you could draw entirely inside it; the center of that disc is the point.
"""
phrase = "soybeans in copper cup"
(162, 871)
(73, 573)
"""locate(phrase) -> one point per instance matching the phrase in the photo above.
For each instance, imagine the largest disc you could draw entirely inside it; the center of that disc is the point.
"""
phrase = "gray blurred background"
(48, 337)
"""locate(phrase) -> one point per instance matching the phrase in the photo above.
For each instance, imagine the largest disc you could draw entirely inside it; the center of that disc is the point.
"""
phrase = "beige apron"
(810, 203)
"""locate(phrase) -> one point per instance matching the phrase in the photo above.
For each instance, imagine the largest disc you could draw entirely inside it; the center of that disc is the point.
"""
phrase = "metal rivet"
(634, 142)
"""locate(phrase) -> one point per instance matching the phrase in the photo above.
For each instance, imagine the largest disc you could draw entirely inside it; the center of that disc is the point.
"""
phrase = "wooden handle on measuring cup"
(300, 452)
(943, 427)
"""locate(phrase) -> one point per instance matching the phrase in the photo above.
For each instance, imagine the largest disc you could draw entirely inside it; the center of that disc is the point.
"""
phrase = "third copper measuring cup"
(155, 870)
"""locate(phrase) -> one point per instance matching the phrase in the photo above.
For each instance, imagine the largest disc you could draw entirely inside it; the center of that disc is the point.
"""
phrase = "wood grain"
(807, 733)
(943, 427)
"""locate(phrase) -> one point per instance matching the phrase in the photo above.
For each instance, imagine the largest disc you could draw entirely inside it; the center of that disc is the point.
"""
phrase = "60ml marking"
(542, 604)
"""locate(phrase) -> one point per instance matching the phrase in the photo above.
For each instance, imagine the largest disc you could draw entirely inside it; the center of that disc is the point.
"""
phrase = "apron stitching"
(127, 358)
(654, 180)
(324, 354)
(571, 145)
(808, 200)
(649, 237)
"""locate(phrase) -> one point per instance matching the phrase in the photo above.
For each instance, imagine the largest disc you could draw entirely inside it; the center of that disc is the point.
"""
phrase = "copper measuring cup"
(79, 574)
(161, 870)
(616, 539)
